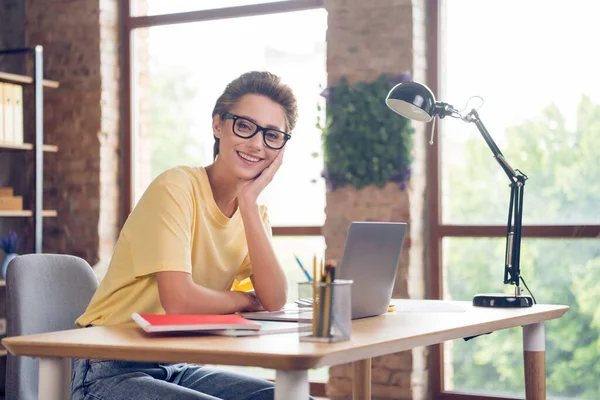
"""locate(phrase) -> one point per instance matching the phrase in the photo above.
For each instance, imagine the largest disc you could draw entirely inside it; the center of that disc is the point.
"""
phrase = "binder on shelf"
(17, 98)
(8, 111)
(2, 139)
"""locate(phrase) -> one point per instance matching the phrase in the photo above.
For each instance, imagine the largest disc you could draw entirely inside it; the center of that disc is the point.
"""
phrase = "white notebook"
(267, 328)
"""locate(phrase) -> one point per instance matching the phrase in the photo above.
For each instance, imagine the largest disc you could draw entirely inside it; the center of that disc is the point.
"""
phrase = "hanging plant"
(364, 142)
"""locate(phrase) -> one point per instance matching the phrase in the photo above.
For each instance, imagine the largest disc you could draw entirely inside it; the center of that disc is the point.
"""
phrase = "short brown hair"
(261, 83)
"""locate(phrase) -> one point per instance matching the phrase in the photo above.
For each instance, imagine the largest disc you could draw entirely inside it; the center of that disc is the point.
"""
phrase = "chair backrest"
(44, 293)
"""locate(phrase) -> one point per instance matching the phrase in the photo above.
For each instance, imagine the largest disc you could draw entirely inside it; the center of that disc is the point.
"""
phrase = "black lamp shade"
(412, 100)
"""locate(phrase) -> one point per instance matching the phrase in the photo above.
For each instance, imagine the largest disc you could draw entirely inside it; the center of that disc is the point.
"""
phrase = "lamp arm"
(515, 210)
(473, 116)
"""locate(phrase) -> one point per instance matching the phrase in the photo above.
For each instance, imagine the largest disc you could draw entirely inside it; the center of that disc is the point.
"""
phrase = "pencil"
(302, 268)
(322, 268)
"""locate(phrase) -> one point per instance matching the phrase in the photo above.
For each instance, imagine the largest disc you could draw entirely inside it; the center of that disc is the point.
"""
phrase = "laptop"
(370, 259)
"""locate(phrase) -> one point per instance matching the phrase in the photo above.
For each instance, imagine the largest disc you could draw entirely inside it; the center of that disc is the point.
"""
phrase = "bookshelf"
(37, 145)
(27, 146)
(27, 213)
(24, 80)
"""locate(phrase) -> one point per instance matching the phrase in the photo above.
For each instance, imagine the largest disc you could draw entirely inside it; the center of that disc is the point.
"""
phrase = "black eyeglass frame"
(286, 136)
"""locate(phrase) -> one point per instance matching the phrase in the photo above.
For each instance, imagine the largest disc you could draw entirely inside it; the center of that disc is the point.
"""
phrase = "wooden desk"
(427, 323)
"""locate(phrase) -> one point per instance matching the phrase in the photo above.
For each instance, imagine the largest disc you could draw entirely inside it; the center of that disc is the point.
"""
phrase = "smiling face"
(247, 158)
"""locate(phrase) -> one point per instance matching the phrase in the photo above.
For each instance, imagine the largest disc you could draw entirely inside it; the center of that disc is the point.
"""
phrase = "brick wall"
(82, 118)
(364, 40)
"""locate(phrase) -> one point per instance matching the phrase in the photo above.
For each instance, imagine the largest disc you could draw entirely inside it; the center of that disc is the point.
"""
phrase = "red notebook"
(183, 322)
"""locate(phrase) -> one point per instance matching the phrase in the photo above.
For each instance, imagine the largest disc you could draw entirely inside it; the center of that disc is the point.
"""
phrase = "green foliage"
(563, 170)
(364, 142)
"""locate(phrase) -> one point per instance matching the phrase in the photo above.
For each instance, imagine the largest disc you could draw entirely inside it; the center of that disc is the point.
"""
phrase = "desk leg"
(534, 352)
(55, 379)
(361, 379)
(291, 385)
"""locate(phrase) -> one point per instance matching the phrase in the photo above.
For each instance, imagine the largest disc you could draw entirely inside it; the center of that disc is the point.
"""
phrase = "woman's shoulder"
(179, 174)
(184, 177)
(180, 181)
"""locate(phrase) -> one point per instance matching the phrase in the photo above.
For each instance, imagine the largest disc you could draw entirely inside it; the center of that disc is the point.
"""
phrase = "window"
(182, 69)
(158, 7)
(541, 105)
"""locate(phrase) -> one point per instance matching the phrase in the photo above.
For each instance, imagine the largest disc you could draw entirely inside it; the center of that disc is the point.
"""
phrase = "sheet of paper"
(427, 306)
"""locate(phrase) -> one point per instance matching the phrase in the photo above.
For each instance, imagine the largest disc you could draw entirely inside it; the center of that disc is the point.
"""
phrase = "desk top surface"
(414, 323)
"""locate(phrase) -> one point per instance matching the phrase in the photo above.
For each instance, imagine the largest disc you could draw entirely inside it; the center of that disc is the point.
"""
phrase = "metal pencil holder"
(331, 318)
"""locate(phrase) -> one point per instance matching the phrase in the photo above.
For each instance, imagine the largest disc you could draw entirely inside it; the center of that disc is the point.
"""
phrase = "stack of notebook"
(225, 325)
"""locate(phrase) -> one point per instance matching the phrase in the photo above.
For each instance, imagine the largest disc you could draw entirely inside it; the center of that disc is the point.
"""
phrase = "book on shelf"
(8, 201)
(17, 114)
(2, 136)
(14, 203)
(7, 112)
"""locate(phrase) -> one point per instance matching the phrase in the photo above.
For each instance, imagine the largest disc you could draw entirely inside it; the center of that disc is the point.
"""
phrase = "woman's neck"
(224, 189)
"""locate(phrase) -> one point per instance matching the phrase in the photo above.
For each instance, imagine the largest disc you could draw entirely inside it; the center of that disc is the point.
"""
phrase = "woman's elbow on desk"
(276, 304)
(274, 307)
(275, 300)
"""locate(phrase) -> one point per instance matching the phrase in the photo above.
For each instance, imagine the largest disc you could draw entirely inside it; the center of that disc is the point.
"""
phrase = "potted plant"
(9, 246)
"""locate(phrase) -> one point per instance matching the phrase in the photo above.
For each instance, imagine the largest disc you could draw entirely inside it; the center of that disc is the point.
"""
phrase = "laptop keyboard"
(304, 302)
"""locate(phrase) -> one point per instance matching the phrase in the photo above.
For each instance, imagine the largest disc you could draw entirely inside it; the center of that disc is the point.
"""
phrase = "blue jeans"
(116, 380)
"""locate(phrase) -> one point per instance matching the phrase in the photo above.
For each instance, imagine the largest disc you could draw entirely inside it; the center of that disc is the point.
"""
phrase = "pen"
(302, 268)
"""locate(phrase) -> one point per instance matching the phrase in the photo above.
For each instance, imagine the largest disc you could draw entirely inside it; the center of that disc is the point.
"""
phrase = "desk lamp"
(416, 101)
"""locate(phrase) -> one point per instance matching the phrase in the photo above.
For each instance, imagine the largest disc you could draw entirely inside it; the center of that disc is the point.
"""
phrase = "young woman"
(192, 234)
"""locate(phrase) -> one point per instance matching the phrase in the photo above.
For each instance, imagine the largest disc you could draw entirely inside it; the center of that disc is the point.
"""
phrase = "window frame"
(438, 231)
(128, 24)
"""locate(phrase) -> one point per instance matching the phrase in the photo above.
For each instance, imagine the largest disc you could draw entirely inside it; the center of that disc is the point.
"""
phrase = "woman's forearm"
(180, 295)
(268, 278)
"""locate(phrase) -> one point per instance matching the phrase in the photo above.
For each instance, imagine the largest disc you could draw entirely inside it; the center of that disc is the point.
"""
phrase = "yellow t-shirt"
(176, 226)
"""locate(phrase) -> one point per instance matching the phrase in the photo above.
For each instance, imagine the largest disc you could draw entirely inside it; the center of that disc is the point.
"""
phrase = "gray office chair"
(44, 293)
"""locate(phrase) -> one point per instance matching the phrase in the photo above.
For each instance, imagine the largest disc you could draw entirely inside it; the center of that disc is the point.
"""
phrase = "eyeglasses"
(246, 129)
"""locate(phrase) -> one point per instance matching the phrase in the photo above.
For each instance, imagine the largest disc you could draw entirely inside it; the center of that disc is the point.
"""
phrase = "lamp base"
(501, 300)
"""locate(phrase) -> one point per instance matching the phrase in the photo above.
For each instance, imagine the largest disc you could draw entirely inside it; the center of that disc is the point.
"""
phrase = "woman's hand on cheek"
(248, 191)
